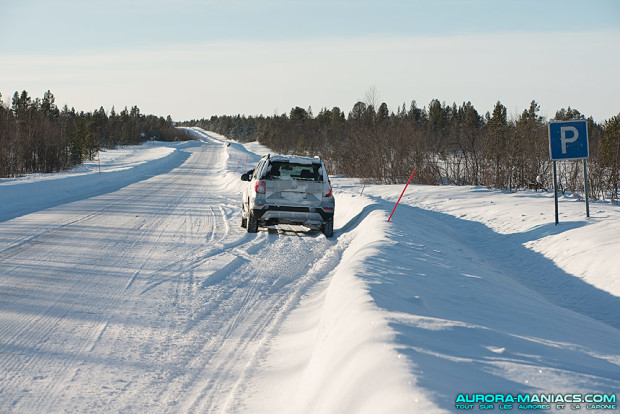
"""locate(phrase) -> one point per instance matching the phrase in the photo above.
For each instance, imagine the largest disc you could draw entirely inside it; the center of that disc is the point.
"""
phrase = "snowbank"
(119, 168)
(354, 366)
(585, 248)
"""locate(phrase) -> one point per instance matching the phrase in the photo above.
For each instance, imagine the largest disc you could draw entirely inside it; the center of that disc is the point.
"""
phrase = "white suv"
(288, 190)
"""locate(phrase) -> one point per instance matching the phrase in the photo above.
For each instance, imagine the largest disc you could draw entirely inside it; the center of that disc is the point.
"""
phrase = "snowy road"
(147, 290)
(137, 290)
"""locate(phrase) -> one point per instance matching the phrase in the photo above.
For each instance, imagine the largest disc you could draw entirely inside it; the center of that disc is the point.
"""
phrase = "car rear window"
(288, 170)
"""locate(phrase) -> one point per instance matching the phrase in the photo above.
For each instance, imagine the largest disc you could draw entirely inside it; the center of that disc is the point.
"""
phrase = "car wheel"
(244, 220)
(328, 228)
(252, 223)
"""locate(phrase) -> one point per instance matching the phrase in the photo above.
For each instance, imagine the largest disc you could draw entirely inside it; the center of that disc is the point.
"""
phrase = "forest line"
(38, 137)
(447, 144)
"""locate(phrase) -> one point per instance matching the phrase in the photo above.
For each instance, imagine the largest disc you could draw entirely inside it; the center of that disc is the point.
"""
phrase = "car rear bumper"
(308, 216)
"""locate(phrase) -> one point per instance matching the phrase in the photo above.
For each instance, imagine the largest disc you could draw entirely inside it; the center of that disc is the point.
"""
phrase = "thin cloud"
(255, 77)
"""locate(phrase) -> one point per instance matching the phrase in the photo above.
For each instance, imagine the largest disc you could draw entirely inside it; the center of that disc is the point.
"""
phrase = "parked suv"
(288, 190)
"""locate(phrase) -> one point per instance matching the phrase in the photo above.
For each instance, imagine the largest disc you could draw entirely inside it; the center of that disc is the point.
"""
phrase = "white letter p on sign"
(566, 140)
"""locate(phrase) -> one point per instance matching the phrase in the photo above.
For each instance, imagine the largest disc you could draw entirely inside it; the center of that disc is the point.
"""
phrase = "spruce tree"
(48, 105)
(610, 153)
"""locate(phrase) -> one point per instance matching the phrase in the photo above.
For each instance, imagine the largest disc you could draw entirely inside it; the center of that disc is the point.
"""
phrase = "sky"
(193, 59)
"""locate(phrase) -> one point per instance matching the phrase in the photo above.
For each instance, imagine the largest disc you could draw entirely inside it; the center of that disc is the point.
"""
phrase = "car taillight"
(260, 187)
(329, 193)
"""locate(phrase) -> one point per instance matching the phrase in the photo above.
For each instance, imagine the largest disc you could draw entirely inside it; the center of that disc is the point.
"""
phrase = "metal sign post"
(568, 140)
(555, 192)
(585, 178)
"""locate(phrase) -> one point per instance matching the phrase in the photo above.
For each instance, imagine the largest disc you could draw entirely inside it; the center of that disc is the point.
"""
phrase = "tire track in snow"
(265, 302)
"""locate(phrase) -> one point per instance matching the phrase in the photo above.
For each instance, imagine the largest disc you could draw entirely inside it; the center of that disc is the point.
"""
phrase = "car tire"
(244, 220)
(328, 228)
(252, 223)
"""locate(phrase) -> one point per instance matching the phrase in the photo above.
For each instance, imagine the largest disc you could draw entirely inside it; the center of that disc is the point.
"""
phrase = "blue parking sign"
(568, 140)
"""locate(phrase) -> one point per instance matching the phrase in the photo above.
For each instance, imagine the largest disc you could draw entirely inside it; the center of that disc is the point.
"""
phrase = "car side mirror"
(245, 177)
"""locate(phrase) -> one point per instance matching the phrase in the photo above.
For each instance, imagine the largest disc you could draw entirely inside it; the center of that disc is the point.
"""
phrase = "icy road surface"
(137, 291)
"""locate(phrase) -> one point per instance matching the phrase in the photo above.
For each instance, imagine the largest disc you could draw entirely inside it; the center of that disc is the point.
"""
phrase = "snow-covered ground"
(136, 290)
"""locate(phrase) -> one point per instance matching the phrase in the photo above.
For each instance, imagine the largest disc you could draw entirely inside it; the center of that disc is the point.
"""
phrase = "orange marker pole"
(238, 163)
(401, 194)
